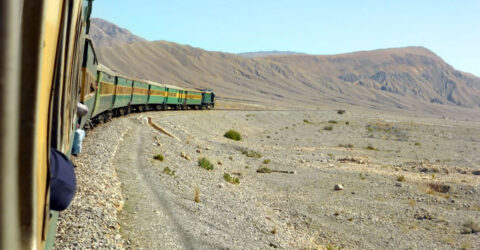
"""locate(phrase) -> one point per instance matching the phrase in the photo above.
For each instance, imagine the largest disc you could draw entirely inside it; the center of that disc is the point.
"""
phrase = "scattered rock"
(441, 188)
(221, 185)
(352, 160)
(470, 227)
(338, 187)
(476, 172)
(398, 184)
(199, 151)
(182, 154)
(188, 158)
(219, 163)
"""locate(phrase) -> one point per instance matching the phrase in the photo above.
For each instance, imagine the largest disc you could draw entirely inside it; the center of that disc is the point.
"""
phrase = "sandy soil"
(386, 164)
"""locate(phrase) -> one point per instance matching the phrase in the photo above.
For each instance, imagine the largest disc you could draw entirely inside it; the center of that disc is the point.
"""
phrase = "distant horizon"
(447, 28)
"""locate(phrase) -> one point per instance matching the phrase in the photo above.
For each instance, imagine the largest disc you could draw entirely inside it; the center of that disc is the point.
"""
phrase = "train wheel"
(129, 110)
(140, 108)
(121, 112)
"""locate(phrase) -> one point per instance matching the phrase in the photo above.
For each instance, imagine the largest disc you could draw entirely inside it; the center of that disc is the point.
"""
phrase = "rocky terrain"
(404, 182)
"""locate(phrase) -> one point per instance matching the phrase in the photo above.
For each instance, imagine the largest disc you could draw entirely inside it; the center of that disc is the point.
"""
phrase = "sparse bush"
(264, 170)
(333, 122)
(340, 111)
(168, 171)
(329, 128)
(205, 164)
(418, 144)
(230, 179)
(306, 121)
(266, 161)
(370, 147)
(349, 145)
(401, 178)
(274, 230)
(251, 153)
(347, 123)
(233, 135)
(159, 157)
(362, 177)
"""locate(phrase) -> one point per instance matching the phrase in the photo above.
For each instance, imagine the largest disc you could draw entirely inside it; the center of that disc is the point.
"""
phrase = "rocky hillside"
(412, 78)
(268, 53)
(104, 33)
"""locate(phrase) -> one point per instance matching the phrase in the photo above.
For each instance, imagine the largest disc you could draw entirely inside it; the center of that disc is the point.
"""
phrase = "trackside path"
(148, 217)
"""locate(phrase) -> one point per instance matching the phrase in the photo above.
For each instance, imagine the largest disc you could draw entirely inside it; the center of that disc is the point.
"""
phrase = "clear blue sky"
(450, 28)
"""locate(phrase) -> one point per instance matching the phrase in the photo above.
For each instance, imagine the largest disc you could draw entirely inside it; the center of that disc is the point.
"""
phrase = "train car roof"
(156, 83)
(193, 90)
(173, 87)
(103, 68)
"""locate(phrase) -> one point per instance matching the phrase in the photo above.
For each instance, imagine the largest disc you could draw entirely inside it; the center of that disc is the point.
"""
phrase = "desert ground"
(406, 182)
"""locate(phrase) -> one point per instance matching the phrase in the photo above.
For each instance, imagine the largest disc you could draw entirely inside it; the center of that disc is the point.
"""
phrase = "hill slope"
(412, 78)
(104, 33)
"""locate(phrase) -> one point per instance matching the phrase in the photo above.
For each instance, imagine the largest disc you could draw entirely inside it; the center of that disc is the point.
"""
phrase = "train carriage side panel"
(105, 93)
(123, 92)
(193, 97)
(157, 94)
(89, 80)
(140, 93)
(173, 95)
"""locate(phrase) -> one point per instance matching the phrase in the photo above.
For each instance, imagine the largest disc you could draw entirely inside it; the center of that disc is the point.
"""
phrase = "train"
(107, 93)
(47, 66)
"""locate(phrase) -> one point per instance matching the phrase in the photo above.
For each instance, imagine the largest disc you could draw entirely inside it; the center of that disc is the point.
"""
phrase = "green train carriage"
(89, 80)
(105, 96)
(140, 95)
(157, 95)
(193, 98)
(123, 95)
(175, 97)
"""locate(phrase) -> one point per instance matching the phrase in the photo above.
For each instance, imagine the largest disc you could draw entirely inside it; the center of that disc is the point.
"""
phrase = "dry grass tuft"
(230, 179)
(328, 128)
(251, 153)
(197, 195)
(168, 171)
(266, 161)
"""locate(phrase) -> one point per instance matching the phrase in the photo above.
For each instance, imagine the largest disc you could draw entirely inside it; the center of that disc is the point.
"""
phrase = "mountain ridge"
(412, 78)
(104, 33)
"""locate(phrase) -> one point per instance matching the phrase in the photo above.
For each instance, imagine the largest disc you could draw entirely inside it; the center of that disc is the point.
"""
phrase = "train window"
(92, 87)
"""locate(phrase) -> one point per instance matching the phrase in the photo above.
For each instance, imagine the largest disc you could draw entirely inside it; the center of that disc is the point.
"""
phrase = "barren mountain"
(412, 78)
(268, 53)
(104, 33)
